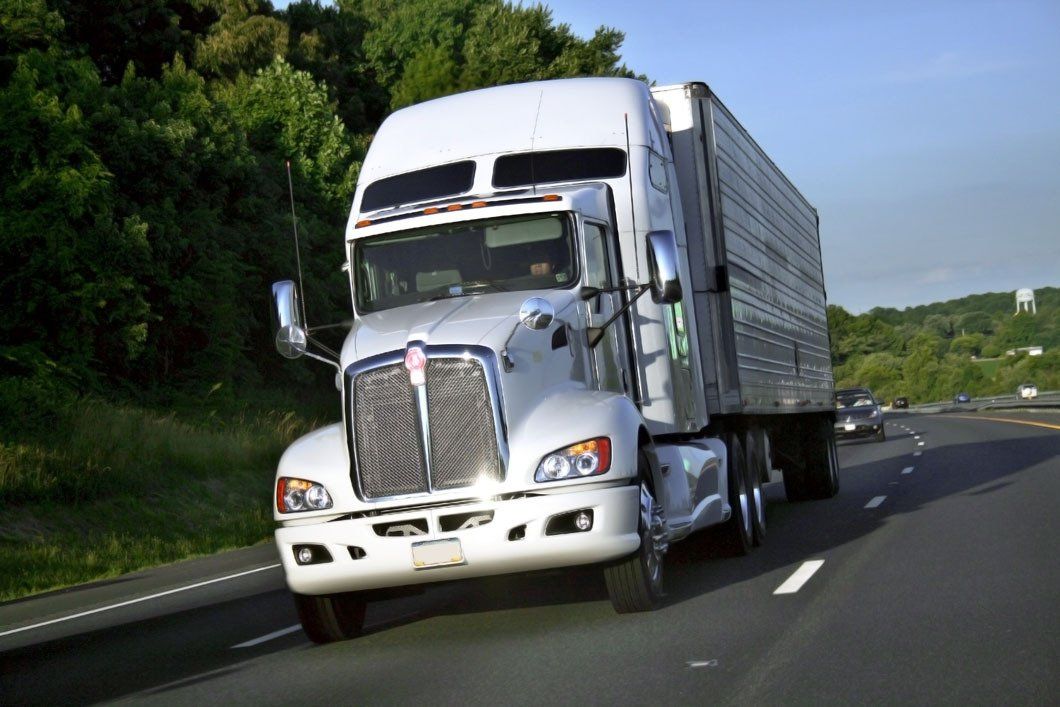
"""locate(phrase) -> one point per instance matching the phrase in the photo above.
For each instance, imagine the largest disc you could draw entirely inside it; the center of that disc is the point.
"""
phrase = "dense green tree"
(244, 39)
(328, 42)
(145, 33)
(69, 258)
(967, 345)
(974, 323)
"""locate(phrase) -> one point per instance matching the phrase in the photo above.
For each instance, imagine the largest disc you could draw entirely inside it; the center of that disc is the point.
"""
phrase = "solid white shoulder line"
(137, 600)
(268, 636)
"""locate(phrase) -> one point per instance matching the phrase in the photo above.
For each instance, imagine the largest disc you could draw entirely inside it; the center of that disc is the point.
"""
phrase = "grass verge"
(111, 489)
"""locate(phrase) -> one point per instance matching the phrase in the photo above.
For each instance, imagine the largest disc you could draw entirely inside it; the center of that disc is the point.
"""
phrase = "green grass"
(111, 489)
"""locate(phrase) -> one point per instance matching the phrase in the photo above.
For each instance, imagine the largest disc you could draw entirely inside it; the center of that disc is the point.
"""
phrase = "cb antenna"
(297, 250)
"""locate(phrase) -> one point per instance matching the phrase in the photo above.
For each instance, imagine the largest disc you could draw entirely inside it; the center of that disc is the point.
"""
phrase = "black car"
(900, 403)
(858, 414)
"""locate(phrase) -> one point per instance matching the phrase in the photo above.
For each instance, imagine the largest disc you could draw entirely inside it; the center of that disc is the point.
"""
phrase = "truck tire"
(822, 472)
(332, 617)
(737, 534)
(636, 583)
(757, 470)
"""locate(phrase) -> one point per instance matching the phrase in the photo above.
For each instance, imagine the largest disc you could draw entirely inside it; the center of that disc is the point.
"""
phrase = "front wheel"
(332, 617)
(636, 583)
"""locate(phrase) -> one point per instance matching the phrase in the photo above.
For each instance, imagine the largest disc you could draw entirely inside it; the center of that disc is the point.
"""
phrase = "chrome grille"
(463, 437)
(453, 414)
(389, 451)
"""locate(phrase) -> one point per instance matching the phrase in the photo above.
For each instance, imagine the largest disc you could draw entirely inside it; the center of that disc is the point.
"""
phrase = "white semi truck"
(588, 321)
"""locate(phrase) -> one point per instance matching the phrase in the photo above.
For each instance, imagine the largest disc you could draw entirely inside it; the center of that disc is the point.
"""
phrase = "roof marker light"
(453, 207)
(430, 210)
(362, 224)
(477, 204)
(550, 197)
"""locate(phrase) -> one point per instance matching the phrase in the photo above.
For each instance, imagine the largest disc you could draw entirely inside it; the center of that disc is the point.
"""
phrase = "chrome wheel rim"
(655, 543)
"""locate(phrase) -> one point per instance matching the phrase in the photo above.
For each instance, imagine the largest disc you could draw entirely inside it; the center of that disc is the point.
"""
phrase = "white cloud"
(948, 65)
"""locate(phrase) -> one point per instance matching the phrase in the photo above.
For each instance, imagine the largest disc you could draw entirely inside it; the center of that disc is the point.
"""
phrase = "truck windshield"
(455, 260)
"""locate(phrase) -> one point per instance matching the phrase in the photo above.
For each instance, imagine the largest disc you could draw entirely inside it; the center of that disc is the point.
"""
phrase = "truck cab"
(523, 384)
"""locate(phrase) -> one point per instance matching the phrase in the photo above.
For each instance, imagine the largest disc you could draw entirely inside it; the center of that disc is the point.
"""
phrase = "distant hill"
(933, 351)
(992, 303)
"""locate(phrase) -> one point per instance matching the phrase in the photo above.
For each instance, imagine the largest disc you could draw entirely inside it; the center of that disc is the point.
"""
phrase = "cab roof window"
(421, 185)
(527, 168)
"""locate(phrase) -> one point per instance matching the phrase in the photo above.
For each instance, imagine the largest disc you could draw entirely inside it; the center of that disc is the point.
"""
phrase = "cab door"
(609, 360)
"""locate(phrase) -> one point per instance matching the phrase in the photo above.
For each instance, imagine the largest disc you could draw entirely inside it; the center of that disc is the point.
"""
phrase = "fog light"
(583, 521)
(311, 554)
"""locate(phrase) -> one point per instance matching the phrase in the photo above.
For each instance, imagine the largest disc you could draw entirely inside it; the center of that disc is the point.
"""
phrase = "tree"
(145, 33)
(968, 345)
(242, 41)
(67, 254)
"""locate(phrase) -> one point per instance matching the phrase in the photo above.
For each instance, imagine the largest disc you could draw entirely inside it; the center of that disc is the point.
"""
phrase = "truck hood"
(486, 319)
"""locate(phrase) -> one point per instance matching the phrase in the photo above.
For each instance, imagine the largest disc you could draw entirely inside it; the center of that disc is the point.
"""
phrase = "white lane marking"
(920, 444)
(268, 636)
(876, 501)
(907, 470)
(802, 575)
(713, 663)
(138, 600)
(916, 436)
(917, 453)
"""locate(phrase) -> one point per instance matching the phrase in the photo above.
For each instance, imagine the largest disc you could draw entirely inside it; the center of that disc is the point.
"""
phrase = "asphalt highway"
(932, 578)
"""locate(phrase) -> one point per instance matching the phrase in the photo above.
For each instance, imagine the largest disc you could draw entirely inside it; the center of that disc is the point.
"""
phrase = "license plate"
(849, 428)
(437, 553)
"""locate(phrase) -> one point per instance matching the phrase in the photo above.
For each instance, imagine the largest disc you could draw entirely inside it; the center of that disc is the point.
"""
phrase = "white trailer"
(511, 399)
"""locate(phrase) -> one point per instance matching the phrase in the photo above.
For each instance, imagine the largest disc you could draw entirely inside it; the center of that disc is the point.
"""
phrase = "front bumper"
(858, 428)
(488, 549)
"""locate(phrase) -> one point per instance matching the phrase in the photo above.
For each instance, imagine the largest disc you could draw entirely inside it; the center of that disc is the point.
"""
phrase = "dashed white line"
(137, 600)
(907, 470)
(920, 444)
(268, 637)
(916, 436)
(801, 576)
(703, 663)
(917, 453)
(875, 502)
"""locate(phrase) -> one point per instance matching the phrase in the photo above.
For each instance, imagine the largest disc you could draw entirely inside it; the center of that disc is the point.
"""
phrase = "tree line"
(144, 207)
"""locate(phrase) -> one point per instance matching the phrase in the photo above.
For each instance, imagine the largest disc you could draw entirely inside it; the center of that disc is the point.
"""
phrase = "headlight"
(294, 495)
(588, 458)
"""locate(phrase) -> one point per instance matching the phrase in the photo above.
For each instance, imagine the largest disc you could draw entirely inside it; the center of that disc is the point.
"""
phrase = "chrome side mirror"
(663, 266)
(291, 339)
(536, 313)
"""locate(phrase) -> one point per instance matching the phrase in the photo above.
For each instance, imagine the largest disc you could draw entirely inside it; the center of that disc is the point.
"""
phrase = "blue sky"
(927, 134)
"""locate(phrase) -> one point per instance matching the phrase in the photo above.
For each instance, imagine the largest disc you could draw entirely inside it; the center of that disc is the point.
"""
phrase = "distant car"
(900, 403)
(962, 398)
(1027, 391)
(858, 414)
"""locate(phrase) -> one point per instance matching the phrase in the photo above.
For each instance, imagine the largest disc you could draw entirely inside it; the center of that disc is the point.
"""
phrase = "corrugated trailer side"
(755, 257)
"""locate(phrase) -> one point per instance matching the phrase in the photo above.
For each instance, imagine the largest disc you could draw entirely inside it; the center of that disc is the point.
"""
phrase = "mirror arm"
(326, 349)
(595, 334)
(328, 361)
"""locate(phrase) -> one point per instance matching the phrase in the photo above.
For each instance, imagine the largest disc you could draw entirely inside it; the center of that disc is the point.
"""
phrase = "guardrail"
(1047, 399)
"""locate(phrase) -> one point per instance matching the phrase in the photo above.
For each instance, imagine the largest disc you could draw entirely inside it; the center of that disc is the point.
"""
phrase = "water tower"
(1025, 301)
